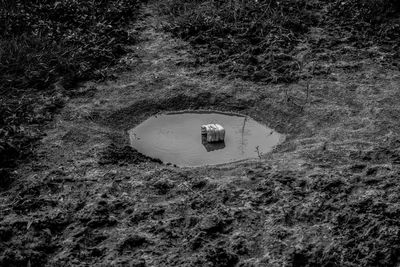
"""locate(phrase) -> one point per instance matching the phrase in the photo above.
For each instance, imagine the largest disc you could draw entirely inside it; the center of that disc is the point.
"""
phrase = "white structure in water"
(214, 132)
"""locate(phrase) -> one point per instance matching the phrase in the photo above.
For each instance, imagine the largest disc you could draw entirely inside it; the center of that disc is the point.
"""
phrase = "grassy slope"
(328, 197)
(45, 48)
(260, 40)
(263, 41)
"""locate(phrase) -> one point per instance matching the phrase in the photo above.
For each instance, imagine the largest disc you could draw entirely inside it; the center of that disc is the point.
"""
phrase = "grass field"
(46, 48)
(325, 74)
(260, 40)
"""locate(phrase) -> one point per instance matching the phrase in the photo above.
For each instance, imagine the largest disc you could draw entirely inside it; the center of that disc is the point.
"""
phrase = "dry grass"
(44, 42)
(257, 40)
(251, 39)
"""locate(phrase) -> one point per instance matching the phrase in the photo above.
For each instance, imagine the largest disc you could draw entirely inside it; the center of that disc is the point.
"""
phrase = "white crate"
(214, 132)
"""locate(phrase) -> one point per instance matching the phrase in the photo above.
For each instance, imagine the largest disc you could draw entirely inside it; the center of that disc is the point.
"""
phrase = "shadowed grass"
(48, 42)
(251, 39)
(260, 40)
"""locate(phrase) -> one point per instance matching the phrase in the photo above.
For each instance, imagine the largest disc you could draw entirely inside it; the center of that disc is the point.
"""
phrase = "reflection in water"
(176, 138)
(211, 146)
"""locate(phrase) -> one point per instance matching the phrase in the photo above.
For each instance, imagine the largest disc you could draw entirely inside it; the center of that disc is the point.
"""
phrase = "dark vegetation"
(261, 40)
(252, 39)
(123, 155)
(46, 47)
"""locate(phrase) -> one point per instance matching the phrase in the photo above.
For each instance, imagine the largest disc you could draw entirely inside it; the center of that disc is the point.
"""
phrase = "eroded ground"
(328, 195)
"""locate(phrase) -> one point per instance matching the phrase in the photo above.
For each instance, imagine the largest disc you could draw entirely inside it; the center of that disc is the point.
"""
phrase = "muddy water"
(176, 138)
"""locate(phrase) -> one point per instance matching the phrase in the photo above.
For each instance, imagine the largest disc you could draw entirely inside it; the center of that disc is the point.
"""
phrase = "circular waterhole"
(176, 138)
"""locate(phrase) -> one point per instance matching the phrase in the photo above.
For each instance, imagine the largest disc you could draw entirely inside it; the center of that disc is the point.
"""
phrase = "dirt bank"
(328, 196)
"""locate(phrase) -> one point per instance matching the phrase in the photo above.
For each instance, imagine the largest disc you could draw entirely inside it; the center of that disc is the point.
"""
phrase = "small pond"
(176, 138)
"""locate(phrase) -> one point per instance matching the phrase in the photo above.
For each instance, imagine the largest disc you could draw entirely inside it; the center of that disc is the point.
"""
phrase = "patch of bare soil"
(328, 196)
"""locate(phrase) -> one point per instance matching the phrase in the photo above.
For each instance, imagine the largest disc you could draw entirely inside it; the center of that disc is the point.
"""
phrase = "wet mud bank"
(285, 121)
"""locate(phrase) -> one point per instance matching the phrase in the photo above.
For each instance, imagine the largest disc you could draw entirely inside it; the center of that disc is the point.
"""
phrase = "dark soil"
(327, 196)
